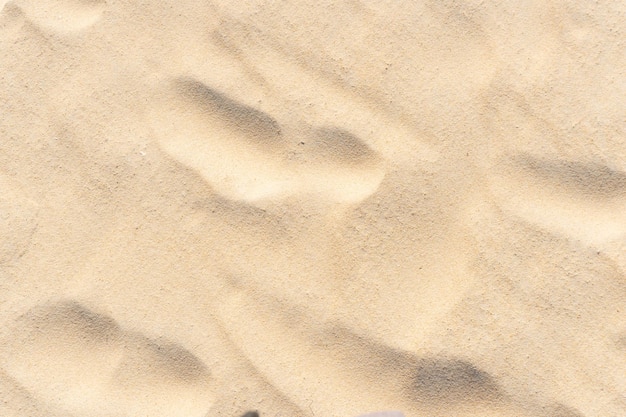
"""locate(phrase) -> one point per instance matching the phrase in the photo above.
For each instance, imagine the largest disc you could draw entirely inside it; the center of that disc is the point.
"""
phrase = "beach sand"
(316, 209)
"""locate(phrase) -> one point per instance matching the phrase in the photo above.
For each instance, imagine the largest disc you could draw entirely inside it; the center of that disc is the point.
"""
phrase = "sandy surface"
(317, 209)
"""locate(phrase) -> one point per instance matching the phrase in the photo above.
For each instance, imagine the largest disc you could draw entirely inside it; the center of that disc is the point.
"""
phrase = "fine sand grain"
(316, 209)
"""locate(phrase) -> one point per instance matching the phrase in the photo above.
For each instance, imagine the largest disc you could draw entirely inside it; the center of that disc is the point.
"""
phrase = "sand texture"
(312, 208)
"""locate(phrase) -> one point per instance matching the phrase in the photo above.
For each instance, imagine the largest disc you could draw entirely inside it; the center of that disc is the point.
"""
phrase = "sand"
(316, 209)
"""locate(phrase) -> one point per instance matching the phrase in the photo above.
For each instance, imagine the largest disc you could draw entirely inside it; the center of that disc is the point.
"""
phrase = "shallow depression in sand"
(245, 154)
(78, 360)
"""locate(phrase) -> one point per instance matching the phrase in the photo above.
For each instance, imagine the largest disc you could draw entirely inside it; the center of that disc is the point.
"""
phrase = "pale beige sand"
(319, 209)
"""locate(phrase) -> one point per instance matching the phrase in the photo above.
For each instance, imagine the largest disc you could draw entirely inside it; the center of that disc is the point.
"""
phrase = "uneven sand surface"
(316, 209)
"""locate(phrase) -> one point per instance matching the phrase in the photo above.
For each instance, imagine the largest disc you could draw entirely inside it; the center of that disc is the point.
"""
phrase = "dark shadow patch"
(71, 318)
(251, 414)
(241, 118)
(422, 380)
(177, 361)
(560, 410)
(584, 179)
(340, 146)
(10, 11)
(621, 342)
(451, 381)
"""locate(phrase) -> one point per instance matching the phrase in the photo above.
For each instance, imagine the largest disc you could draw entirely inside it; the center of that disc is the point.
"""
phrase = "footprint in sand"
(62, 15)
(247, 155)
(75, 360)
